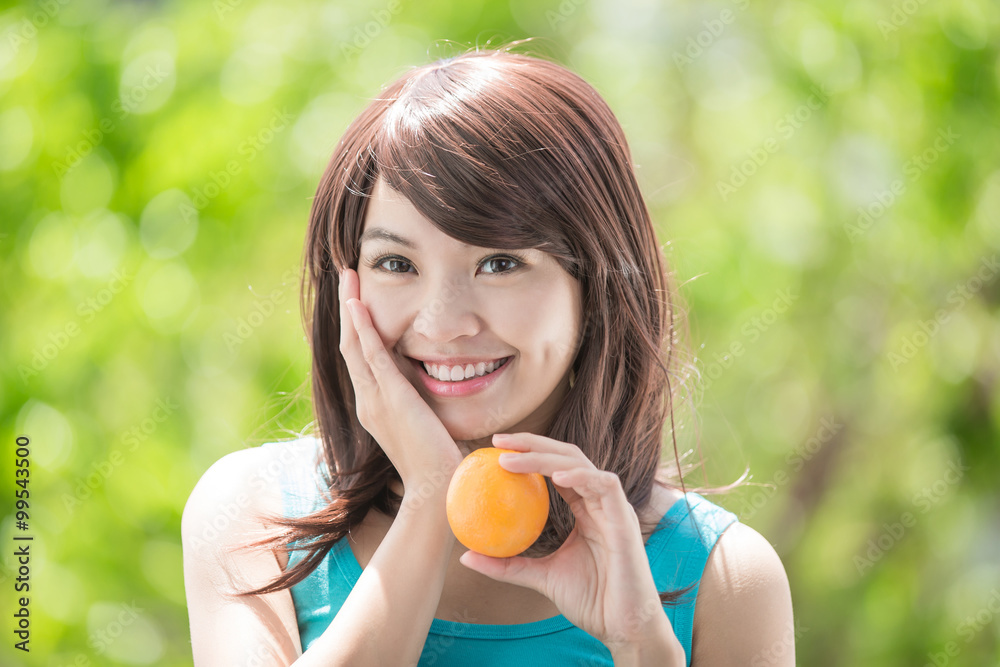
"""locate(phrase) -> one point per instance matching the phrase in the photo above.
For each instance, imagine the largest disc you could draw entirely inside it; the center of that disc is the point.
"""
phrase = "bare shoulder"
(223, 512)
(743, 612)
(231, 489)
(251, 477)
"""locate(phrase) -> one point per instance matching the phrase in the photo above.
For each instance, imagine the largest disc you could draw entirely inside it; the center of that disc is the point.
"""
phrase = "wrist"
(659, 648)
(423, 499)
(426, 494)
(427, 484)
(647, 654)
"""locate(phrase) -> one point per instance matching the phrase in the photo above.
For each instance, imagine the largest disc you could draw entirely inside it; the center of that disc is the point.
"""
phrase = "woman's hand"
(388, 406)
(599, 578)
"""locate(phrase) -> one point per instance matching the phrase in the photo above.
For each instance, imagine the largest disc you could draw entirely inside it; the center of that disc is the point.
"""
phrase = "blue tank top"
(677, 552)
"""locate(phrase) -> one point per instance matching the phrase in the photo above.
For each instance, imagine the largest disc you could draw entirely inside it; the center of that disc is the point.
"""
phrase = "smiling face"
(439, 299)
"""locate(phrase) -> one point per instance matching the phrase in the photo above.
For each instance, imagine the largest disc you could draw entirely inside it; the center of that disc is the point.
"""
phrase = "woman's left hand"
(599, 578)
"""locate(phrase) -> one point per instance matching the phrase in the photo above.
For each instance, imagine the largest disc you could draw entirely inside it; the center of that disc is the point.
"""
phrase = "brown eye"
(394, 263)
(499, 264)
(510, 262)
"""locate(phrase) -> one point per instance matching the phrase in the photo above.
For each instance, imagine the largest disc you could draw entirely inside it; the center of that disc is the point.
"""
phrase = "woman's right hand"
(388, 406)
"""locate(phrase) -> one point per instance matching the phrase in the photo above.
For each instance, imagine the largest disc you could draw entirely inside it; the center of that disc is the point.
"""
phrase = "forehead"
(385, 196)
(391, 217)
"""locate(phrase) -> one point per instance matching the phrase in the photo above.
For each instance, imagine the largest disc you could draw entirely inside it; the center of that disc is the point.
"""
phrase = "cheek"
(544, 330)
(386, 317)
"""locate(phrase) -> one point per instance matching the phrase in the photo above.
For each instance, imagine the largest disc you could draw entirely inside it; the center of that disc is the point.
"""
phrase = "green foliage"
(824, 176)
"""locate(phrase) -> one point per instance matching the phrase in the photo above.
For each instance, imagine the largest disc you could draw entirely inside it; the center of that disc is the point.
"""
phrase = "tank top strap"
(299, 476)
(679, 551)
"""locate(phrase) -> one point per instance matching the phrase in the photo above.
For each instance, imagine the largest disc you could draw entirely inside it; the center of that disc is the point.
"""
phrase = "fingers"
(527, 572)
(344, 292)
(350, 343)
(602, 507)
(537, 453)
(524, 441)
(547, 456)
(546, 463)
(591, 483)
(372, 349)
(376, 366)
(573, 475)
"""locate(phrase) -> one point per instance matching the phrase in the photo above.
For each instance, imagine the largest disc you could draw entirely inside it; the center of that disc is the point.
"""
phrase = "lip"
(462, 387)
(458, 361)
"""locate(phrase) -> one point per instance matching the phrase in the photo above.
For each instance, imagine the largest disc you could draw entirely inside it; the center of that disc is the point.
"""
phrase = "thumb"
(527, 572)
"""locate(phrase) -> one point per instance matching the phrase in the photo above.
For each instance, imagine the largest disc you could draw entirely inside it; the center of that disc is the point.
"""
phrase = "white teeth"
(457, 373)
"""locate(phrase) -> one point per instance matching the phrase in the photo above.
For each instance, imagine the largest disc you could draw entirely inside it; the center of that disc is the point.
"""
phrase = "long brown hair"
(507, 151)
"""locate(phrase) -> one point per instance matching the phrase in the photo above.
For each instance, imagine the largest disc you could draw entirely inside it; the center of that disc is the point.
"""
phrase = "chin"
(474, 429)
(467, 434)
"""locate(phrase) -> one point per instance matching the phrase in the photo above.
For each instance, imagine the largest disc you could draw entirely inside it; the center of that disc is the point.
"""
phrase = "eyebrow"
(383, 234)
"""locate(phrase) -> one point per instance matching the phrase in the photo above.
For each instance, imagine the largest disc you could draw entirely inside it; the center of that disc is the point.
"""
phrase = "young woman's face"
(441, 300)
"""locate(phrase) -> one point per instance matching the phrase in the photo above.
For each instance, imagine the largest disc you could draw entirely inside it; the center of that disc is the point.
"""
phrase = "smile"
(468, 379)
(462, 373)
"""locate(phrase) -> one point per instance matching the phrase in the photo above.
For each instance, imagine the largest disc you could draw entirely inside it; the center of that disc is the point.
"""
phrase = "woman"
(481, 270)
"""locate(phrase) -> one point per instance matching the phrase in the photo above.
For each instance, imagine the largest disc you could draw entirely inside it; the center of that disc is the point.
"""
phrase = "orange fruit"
(492, 510)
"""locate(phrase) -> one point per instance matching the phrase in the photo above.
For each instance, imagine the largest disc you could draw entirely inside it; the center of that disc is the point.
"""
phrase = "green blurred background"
(827, 177)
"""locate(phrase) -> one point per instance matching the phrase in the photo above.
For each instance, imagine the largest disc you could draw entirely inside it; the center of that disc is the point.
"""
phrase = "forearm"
(396, 596)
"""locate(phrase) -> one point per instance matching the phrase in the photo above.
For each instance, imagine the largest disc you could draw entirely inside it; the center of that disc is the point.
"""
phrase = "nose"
(448, 311)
